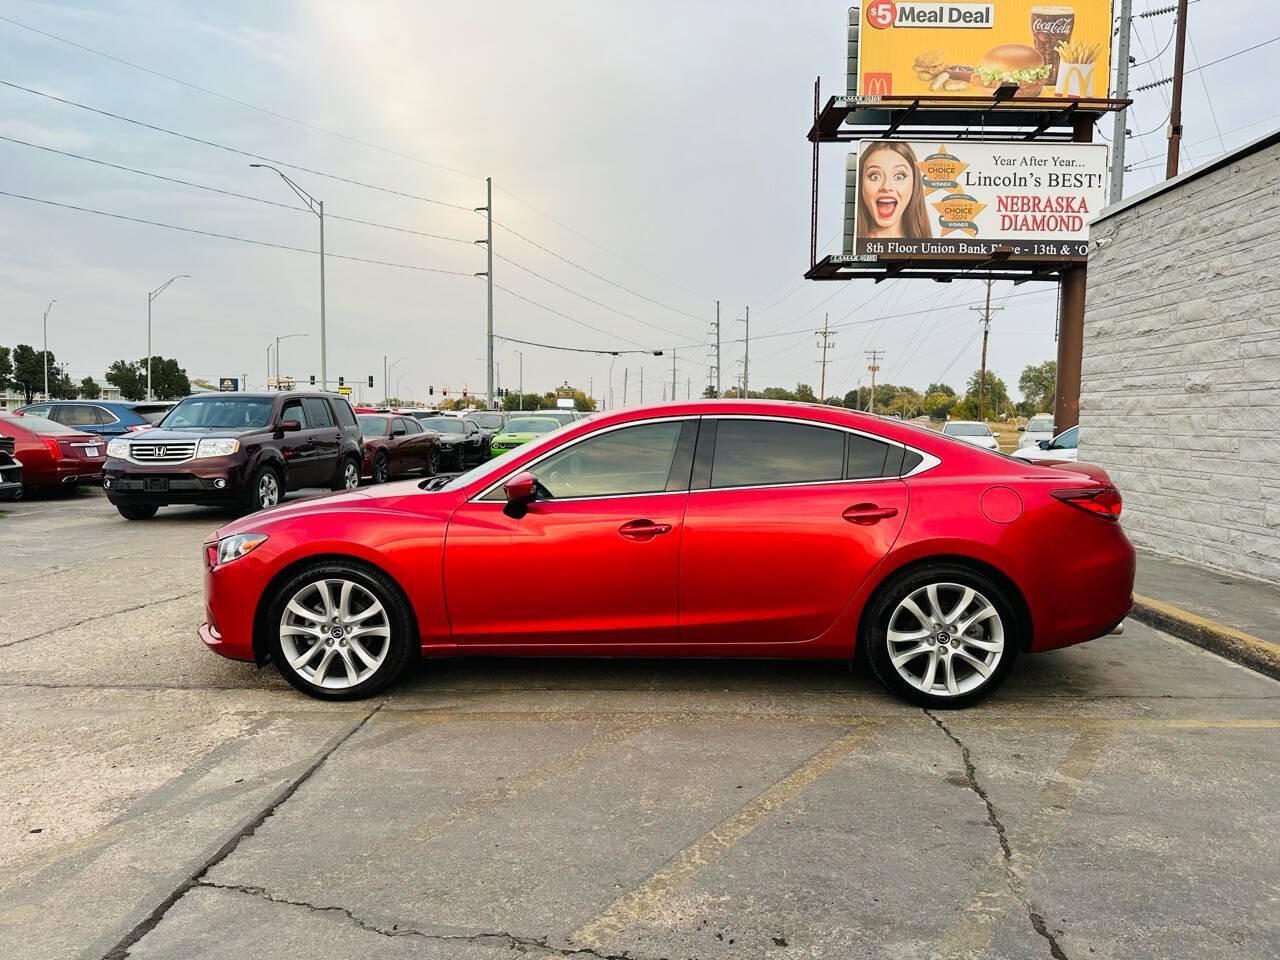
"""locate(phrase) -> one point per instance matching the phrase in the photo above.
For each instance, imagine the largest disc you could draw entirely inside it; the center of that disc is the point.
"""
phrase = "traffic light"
(431, 391)
(464, 392)
(446, 391)
(313, 379)
(341, 382)
(371, 379)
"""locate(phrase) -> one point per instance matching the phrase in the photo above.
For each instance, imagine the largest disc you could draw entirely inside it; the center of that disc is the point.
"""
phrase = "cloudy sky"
(648, 160)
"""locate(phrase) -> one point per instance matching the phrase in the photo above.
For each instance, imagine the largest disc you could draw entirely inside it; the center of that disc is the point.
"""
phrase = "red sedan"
(54, 455)
(721, 528)
(395, 445)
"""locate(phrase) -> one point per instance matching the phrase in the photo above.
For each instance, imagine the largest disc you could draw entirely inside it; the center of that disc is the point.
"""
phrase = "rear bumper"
(1095, 572)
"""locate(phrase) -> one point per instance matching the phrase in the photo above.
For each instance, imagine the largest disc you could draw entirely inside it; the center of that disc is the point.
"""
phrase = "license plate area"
(157, 484)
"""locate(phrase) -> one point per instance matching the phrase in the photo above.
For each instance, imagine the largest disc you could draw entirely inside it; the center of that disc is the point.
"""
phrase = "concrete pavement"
(1114, 799)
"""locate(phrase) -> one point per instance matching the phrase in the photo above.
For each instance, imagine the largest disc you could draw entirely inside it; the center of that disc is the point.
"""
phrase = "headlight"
(233, 548)
(217, 448)
(118, 449)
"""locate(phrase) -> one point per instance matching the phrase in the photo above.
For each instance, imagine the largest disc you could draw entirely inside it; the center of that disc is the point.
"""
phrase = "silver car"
(1039, 427)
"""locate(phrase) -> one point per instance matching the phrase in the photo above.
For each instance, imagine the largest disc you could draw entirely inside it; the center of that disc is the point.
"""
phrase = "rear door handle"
(643, 529)
(867, 513)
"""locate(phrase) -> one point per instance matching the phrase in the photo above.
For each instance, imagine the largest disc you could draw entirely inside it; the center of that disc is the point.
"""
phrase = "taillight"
(134, 428)
(1100, 501)
(55, 451)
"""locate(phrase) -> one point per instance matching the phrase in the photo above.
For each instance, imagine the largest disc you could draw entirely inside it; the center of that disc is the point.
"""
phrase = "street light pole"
(278, 339)
(387, 383)
(268, 381)
(520, 354)
(316, 207)
(151, 297)
(45, 327)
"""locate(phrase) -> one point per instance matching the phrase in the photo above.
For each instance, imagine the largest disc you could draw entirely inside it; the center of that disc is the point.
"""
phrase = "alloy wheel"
(350, 475)
(268, 490)
(945, 639)
(334, 633)
(381, 470)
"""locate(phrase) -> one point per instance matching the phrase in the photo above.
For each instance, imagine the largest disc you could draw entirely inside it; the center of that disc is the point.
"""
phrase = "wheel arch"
(1022, 609)
(261, 626)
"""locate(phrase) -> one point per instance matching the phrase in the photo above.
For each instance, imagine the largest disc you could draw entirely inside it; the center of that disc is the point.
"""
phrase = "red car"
(54, 455)
(395, 445)
(723, 528)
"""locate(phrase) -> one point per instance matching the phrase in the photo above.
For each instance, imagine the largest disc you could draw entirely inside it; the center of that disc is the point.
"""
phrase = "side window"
(104, 416)
(293, 411)
(317, 412)
(346, 416)
(764, 452)
(398, 429)
(1069, 440)
(627, 461)
(40, 411)
(868, 459)
(411, 425)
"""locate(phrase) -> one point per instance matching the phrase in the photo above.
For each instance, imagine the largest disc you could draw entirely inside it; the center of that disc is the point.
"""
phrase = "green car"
(521, 430)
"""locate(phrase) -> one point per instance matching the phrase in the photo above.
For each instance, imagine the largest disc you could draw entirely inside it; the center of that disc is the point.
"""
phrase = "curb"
(1245, 649)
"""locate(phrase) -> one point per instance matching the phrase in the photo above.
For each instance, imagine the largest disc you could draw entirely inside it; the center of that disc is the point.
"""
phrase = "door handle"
(643, 529)
(868, 513)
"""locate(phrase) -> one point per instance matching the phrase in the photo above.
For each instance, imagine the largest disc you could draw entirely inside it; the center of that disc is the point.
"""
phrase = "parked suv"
(107, 418)
(235, 449)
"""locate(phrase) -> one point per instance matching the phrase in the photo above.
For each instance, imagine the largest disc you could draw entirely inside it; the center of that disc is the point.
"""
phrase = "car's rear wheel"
(137, 511)
(381, 468)
(942, 635)
(340, 631)
(348, 475)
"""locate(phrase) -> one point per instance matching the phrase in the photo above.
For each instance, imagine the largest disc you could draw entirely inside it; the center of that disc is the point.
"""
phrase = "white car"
(970, 431)
(1039, 427)
(1062, 447)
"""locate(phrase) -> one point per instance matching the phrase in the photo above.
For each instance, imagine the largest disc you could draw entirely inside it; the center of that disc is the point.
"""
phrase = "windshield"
(532, 426)
(490, 421)
(561, 417)
(1040, 425)
(966, 430)
(444, 425)
(220, 413)
(373, 426)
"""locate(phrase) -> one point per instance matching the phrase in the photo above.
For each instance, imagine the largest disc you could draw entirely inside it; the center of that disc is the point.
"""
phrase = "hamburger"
(1011, 63)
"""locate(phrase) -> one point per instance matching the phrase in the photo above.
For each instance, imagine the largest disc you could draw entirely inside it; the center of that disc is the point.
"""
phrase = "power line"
(552, 346)
(571, 319)
(1205, 66)
(228, 236)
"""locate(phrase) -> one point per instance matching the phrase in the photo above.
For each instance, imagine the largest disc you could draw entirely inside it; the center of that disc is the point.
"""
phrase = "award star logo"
(957, 212)
(941, 171)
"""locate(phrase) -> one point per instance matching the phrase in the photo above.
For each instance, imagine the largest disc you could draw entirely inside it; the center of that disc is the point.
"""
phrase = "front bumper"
(214, 480)
(231, 593)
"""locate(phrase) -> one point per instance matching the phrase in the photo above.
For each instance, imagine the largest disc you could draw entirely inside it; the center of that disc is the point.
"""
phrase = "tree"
(6, 369)
(996, 399)
(938, 403)
(61, 386)
(131, 381)
(168, 380)
(833, 402)
(709, 393)
(89, 389)
(805, 394)
(1038, 385)
(28, 370)
(940, 388)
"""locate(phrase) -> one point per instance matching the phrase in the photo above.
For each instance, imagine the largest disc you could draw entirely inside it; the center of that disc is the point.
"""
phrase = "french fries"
(1079, 52)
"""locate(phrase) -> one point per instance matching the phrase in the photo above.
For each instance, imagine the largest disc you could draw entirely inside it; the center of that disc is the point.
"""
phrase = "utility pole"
(828, 337)
(520, 353)
(488, 279)
(45, 327)
(673, 373)
(625, 371)
(1175, 109)
(875, 356)
(641, 386)
(688, 388)
(746, 358)
(986, 332)
(385, 391)
(719, 393)
(1119, 128)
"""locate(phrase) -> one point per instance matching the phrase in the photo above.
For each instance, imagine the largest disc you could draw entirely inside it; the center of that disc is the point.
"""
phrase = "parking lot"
(1116, 799)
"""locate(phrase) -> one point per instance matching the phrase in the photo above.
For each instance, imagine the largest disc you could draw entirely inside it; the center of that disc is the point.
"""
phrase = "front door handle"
(643, 529)
(868, 513)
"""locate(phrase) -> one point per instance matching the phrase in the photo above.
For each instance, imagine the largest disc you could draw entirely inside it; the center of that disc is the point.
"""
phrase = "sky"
(647, 161)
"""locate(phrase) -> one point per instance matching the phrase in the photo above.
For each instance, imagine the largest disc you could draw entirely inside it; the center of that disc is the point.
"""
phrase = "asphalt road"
(1114, 800)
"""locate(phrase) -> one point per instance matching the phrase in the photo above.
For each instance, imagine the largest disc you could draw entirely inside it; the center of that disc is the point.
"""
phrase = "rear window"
(373, 426)
(1040, 425)
(153, 414)
(759, 452)
(490, 421)
(531, 426)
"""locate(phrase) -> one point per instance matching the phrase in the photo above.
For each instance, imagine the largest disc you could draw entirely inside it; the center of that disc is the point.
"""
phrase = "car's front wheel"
(942, 635)
(340, 631)
(266, 489)
(381, 468)
(137, 511)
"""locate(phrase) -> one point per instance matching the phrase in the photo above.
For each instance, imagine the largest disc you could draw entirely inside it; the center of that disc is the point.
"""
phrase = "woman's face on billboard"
(887, 183)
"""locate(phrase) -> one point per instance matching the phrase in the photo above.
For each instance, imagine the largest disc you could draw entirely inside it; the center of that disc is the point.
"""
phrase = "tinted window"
(293, 411)
(398, 427)
(1068, 440)
(966, 430)
(631, 460)
(910, 461)
(40, 426)
(346, 416)
(1040, 425)
(40, 411)
(152, 415)
(105, 417)
(412, 426)
(753, 452)
(373, 426)
(317, 412)
(220, 412)
(867, 458)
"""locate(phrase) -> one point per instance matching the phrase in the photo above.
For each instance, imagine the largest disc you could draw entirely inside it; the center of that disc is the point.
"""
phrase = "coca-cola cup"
(1051, 26)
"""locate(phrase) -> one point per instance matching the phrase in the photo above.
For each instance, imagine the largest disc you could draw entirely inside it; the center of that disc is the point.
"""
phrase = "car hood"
(263, 520)
(518, 437)
(160, 435)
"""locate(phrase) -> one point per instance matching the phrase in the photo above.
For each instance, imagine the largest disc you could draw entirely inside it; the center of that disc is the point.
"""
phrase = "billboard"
(947, 50)
(228, 384)
(967, 197)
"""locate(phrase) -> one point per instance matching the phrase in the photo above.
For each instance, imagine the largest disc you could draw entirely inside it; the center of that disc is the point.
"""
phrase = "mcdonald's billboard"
(899, 48)
(967, 197)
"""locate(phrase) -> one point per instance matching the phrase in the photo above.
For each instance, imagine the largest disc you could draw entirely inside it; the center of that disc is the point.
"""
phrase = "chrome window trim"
(927, 462)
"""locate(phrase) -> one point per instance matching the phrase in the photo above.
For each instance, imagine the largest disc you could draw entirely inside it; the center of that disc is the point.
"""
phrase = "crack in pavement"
(121, 950)
(102, 616)
(1015, 882)
(497, 937)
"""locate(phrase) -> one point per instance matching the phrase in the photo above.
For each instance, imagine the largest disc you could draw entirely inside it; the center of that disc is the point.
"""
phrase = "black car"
(235, 449)
(461, 441)
(490, 422)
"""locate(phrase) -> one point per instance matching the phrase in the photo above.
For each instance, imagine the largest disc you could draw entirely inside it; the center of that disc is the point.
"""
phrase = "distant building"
(11, 399)
(1180, 399)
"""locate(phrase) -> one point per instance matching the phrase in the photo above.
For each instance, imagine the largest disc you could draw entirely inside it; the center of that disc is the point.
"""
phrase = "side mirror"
(290, 426)
(520, 488)
(1044, 444)
(1022, 429)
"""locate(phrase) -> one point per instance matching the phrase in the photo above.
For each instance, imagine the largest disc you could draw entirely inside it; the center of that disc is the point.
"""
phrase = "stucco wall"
(1180, 397)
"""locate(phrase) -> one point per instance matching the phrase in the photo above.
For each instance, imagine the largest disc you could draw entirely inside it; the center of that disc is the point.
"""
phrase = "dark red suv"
(235, 449)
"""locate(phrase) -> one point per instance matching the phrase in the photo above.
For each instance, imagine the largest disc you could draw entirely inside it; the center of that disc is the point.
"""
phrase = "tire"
(267, 489)
(381, 468)
(924, 607)
(369, 652)
(348, 474)
(137, 511)
(433, 462)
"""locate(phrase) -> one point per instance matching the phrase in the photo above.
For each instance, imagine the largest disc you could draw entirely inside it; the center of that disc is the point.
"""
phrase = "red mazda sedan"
(722, 528)
(54, 455)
